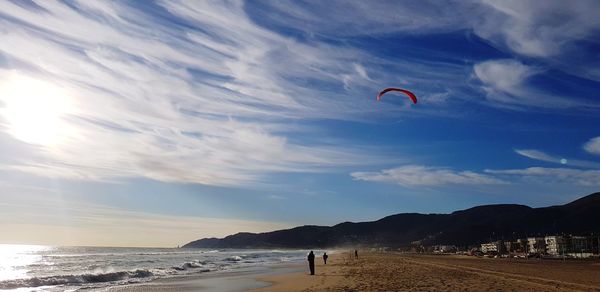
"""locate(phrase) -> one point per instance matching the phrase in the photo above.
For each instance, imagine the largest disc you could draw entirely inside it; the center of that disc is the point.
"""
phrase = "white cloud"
(213, 97)
(592, 146)
(362, 72)
(539, 29)
(505, 75)
(418, 175)
(542, 156)
(548, 30)
(537, 155)
(542, 175)
(364, 18)
(505, 84)
(210, 102)
(527, 27)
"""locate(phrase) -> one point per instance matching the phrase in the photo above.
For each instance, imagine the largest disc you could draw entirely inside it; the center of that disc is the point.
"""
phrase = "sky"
(154, 123)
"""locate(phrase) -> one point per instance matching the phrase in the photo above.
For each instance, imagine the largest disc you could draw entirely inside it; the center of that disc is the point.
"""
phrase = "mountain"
(465, 227)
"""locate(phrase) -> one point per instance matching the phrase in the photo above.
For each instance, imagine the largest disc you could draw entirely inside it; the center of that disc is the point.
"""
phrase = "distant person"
(311, 262)
(325, 256)
(356, 254)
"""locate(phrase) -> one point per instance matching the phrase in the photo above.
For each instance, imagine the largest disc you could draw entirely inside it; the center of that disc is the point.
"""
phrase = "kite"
(412, 96)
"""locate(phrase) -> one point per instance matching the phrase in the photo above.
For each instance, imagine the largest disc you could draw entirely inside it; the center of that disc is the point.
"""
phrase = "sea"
(57, 268)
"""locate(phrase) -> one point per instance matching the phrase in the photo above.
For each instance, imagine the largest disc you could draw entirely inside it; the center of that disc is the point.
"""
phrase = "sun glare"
(34, 109)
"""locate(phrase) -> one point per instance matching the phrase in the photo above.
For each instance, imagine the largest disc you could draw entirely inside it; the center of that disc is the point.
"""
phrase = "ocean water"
(48, 268)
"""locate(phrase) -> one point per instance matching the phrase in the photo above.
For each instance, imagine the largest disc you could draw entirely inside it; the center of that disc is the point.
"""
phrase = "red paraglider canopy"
(412, 96)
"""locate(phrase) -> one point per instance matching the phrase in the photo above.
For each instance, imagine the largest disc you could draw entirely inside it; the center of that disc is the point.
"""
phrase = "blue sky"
(156, 123)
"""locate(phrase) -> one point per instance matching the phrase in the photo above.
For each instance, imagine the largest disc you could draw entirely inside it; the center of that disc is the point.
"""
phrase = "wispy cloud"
(209, 101)
(538, 155)
(376, 17)
(505, 84)
(542, 156)
(529, 28)
(203, 92)
(592, 146)
(542, 175)
(423, 176)
(554, 33)
(419, 175)
(537, 29)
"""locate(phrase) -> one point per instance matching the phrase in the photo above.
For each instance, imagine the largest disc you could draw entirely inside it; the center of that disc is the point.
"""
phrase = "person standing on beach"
(356, 253)
(325, 256)
(311, 262)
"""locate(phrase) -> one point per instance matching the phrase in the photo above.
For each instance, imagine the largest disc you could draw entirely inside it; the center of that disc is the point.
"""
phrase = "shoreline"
(242, 279)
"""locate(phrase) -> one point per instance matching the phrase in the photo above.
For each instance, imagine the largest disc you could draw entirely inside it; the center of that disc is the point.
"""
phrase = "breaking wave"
(191, 265)
(73, 268)
(76, 279)
(234, 259)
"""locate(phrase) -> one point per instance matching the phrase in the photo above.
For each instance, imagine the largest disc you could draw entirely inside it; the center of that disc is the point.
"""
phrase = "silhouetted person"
(311, 262)
(325, 256)
(356, 254)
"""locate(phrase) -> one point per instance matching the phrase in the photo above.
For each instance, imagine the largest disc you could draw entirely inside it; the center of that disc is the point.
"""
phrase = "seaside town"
(550, 246)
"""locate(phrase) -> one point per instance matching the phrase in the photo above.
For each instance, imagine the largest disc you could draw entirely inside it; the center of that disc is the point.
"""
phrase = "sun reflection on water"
(15, 259)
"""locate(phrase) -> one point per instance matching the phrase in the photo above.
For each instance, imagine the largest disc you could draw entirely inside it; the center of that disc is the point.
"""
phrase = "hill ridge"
(462, 227)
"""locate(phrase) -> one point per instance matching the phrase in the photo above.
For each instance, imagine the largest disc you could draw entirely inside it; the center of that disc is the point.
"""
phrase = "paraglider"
(412, 96)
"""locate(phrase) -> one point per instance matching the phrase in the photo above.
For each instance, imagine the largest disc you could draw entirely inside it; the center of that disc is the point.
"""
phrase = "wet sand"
(404, 272)
(236, 280)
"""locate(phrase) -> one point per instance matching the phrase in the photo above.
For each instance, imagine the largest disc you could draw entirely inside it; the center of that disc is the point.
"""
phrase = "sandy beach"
(396, 272)
(404, 272)
(331, 276)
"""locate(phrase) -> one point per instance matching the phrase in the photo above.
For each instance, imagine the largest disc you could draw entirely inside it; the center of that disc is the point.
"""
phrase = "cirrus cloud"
(593, 146)
(505, 84)
(542, 156)
(206, 97)
(420, 175)
(543, 175)
(529, 28)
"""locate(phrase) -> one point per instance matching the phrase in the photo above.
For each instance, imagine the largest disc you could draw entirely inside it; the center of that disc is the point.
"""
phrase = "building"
(568, 246)
(536, 245)
(490, 247)
(494, 247)
(555, 245)
(579, 244)
(444, 248)
(517, 246)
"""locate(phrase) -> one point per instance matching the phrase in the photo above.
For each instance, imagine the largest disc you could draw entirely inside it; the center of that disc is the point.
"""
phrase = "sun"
(33, 110)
